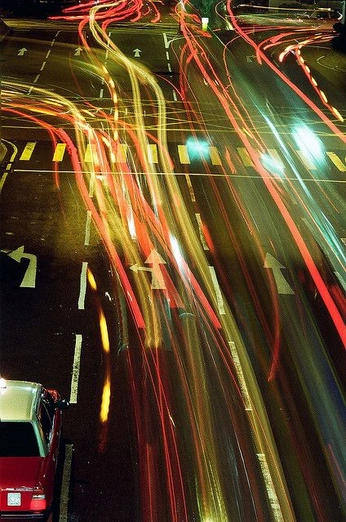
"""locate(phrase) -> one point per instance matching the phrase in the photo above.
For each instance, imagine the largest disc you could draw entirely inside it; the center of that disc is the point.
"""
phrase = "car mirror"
(61, 404)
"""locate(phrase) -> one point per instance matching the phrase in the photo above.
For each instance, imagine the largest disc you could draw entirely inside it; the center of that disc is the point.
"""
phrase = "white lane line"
(76, 369)
(240, 375)
(65, 484)
(217, 291)
(82, 286)
(87, 228)
(268, 480)
(200, 228)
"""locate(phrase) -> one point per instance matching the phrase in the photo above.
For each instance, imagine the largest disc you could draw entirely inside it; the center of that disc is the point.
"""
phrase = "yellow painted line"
(245, 157)
(152, 153)
(59, 152)
(183, 155)
(28, 150)
(337, 161)
(310, 165)
(214, 156)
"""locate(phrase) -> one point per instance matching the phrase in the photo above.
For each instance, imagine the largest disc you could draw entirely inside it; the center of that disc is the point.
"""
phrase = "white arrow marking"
(281, 284)
(154, 258)
(137, 53)
(22, 51)
(78, 51)
(29, 279)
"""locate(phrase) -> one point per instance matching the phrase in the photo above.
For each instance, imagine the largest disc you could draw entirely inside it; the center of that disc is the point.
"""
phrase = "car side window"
(46, 418)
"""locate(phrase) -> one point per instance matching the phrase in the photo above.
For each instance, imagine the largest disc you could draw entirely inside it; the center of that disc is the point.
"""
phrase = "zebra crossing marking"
(337, 161)
(59, 152)
(120, 155)
(28, 150)
(183, 155)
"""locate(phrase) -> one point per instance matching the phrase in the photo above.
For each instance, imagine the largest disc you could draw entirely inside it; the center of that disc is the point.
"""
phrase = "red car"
(30, 428)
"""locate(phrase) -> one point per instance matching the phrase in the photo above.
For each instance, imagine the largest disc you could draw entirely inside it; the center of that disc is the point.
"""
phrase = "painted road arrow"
(78, 51)
(29, 279)
(137, 53)
(281, 284)
(154, 259)
(22, 51)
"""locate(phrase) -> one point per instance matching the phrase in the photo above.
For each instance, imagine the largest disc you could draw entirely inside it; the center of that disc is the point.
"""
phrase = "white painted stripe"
(337, 161)
(82, 286)
(183, 155)
(218, 293)
(43, 66)
(309, 164)
(214, 156)
(200, 228)
(245, 157)
(36, 78)
(28, 150)
(152, 153)
(273, 499)
(189, 184)
(59, 152)
(65, 484)
(76, 369)
(240, 375)
(87, 229)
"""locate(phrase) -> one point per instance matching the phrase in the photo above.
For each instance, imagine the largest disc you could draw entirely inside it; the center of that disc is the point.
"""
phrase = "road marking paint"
(121, 153)
(337, 161)
(48, 53)
(189, 184)
(200, 228)
(90, 153)
(36, 78)
(43, 66)
(59, 152)
(245, 157)
(240, 375)
(65, 484)
(101, 93)
(183, 155)
(214, 156)
(309, 164)
(152, 153)
(269, 484)
(28, 150)
(76, 368)
(83, 286)
(218, 293)
(87, 229)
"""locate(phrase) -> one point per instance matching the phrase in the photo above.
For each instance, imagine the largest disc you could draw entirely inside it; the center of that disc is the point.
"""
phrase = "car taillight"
(38, 500)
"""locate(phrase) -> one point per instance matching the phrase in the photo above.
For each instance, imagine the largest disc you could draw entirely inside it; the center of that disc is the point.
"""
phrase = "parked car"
(30, 430)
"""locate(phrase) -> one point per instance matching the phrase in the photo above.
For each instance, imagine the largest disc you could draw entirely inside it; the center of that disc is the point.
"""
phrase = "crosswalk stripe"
(90, 153)
(214, 156)
(183, 155)
(310, 165)
(28, 150)
(245, 157)
(59, 152)
(152, 153)
(121, 153)
(337, 161)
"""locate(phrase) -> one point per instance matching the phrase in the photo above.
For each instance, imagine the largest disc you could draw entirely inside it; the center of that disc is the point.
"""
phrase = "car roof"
(18, 400)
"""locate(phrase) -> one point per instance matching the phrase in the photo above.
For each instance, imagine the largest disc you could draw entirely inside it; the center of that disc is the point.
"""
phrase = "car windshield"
(17, 439)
